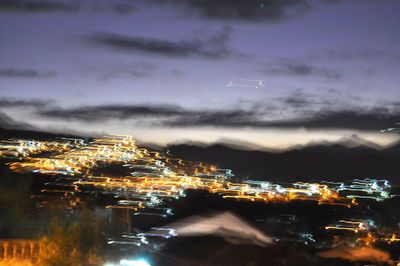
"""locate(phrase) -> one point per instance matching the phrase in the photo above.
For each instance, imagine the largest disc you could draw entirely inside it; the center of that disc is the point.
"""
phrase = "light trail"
(245, 83)
(153, 177)
(392, 129)
(366, 233)
(350, 225)
(24, 148)
(367, 188)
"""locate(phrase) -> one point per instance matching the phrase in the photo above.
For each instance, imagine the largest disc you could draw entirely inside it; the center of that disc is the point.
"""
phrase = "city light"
(136, 262)
(148, 180)
(153, 177)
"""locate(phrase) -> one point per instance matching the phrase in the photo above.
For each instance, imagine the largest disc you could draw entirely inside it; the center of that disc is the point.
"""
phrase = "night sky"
(270, 73)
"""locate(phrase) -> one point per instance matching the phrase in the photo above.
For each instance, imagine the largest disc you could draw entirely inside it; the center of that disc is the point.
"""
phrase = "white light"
(139, 262)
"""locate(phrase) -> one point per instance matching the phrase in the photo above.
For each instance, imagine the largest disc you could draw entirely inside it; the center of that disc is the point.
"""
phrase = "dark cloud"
(11, 103)
(329, 98)
(319, 120)
(123, 8)
(134, 71)
(96, 113)
(173, 116)
(346, 119)
(47, 6)
(351, 54)
(355, 1)
(300, 99)
(230, 118)
(25, 73)
(214, 47)
(35, 6)
(301, 69)
(244, 10)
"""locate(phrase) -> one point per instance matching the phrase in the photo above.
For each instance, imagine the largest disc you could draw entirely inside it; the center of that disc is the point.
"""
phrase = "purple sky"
(175, 70)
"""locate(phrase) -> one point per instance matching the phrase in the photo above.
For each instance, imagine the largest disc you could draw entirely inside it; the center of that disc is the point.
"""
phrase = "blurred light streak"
(153, 177)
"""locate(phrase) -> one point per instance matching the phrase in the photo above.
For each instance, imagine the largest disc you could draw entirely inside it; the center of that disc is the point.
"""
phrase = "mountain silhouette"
(9, 128)
(333, 161)
(350, 157)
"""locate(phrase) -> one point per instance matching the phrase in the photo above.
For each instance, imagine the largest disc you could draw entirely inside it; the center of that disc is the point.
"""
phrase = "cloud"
(301, 69)
(347, 119)
(37, 6)
(13, 103)
(168, 115)
(356, 1)
(332, 99)
(233, 10)
(133, 71)
(102, 112)
(212, 48)
(174, 116)
(25, 73)
(123, 8)
(7, 122)
(325, 120)
(217, 118)
(47, 6)
(300, 99)
(349, 54)
(240, 10)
